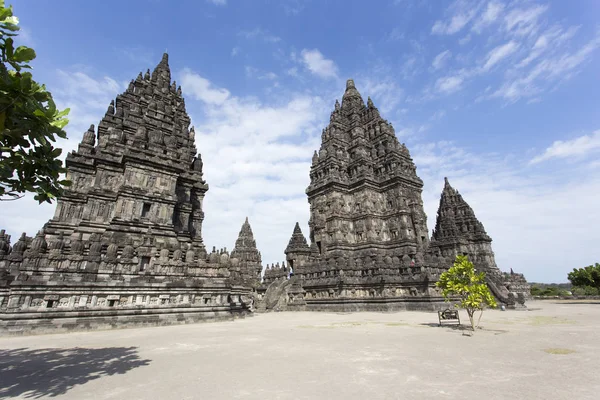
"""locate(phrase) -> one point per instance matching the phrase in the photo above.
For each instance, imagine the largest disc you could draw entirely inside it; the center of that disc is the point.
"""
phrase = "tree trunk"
(479, 319)
(471, 318)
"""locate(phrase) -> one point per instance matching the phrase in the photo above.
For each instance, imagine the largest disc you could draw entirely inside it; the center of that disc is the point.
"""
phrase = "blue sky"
(500, 96)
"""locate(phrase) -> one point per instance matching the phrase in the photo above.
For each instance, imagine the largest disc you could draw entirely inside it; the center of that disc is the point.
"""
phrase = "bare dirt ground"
(551, 351)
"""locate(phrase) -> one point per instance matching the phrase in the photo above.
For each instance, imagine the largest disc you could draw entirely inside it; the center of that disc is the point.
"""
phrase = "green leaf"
(9, 49)
(23, 54)
(63, 113)
(4, 12)
(60, 123)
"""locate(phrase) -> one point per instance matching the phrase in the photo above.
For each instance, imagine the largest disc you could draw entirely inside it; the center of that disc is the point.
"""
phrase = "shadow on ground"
(465, 329)
(455, 327)
(52, 372)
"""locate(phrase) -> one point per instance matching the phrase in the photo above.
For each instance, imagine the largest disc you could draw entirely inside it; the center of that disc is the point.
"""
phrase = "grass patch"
(538, 320)
(353, 324)
(335, 325)
(559, 351)
(543, 320)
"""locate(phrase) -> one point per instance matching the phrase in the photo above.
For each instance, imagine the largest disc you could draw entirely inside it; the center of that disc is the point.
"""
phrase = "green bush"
(586, 291)
(550, 291)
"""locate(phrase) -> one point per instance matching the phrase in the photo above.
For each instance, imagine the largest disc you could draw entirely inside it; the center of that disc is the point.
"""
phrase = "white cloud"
(396, 34)
(293, 7)
(465, 40)
(318, 65)
(449, 84)
(25, 38)
(499, 53)
(259, 33)
(548, 71)
(441, 59)
(574, 148)
(456, 23)
(384, 92)
(218, 2)
(458, 15)
(489, 16)
(554, 36)
(235, 51)
(75, 82)
(524, 21)
(439, 114)
(86, 96)
(269, 75)
(202, 89)
(252, 72)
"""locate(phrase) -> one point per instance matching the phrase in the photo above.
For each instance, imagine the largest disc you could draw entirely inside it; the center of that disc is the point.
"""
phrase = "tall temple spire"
(297, 241)
(146, 120)
(456, 219)
(364, 175)
(248, 255)
(457, 229)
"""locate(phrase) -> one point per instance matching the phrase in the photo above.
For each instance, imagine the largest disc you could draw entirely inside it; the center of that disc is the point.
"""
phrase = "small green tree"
(469, 286)
(29, 122)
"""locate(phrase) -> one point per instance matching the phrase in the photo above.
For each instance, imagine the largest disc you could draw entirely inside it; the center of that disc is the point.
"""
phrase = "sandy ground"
(551, 351)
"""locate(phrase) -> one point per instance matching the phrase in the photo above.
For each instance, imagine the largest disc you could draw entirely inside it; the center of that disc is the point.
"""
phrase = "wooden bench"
(449, 316)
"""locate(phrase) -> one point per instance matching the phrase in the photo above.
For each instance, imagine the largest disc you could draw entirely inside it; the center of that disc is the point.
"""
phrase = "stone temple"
(125, 244)
(369, 244)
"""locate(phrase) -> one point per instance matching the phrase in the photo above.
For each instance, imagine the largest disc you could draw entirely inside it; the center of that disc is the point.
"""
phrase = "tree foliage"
(29, 123)
(464, 282)
(587, 279)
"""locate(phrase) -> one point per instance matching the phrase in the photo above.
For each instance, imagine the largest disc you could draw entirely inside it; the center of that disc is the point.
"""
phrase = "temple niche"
(125, 244)
(369, 243)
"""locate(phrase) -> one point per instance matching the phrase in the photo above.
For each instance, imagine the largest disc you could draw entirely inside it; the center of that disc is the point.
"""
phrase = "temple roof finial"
(163, 68)
(351, 95)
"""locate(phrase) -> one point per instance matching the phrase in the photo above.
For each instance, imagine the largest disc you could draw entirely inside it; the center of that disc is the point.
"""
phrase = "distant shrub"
(585, 291)
(551, 291)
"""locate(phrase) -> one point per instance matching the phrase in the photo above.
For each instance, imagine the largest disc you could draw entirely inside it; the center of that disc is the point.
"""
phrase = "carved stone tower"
(297, 251)
(364, 191)
(247, 255)
(139, 171)
(125, 244)
(459, 232)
